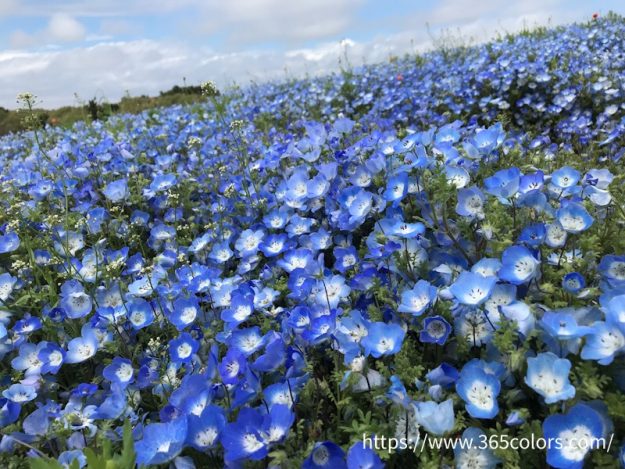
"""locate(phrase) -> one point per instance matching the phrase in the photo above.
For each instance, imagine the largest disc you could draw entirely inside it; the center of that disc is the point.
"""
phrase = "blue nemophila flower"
(325, 455)
(435, 418)
(417, 300)
(563, 326)
(444, 374)
(117, 191)
(9, 412)
(533, 235)
(232, 366)
(612, 268)
(248, 242)
(275, 244)
(577, 432)
(518, 265)
(573, 282)
(603, 342)
(20, 393)
(555, 235)
(521, 314)
(241, 307)
(9, 242)
(161, 442)
(182, 348)
(140, 313)
(74, 300)
(487, 267)
(28, 359)
(119, 372)
(277, 424)
(396, 188)
(548, 375)
(361, 456)
(479, 390)
(436, 330)
(205, 429)
(472, 289)
(406, 230)
(331, 290)
(345, 258)
(243, 439)
(383, 339)
(470, 203)
(574, 218)
(565, 177)
(7, 284)
(472, 452)
(247, 341)
(221, 252)
(503, 184)
(185, 311)
(82, 348)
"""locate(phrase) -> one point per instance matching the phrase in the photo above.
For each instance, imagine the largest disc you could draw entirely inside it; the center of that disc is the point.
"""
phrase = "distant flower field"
(432, 247)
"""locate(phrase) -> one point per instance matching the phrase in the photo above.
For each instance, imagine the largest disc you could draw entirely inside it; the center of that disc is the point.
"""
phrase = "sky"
(69, 51)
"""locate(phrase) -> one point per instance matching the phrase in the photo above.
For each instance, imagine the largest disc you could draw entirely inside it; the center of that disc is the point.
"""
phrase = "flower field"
(429, 246)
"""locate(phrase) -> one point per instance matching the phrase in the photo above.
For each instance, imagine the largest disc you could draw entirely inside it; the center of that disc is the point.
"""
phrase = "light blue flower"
(548, 375)
(435, 418)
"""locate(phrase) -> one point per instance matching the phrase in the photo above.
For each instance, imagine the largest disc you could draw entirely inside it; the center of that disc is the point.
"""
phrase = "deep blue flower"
(436, 330)
(161, 442)
(578, 431)
(325, 455)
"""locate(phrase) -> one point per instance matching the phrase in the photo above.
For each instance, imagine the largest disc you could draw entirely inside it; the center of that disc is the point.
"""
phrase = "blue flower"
(548, 375)
(19, 393)
(243, 439)
(182, 348)
(161, 442)
(9, 242)
(74, 300)
(361, 456)
(435, 418)
(140, 313)
(117, 191)
(573, 282)
(119, 372)
(205, 429)
(472, 289)
(9, 412)
(7, 284)
(186, 310)
(518, 265)
(249, 242)
(479, 390)
(325, 455)
(470, 203)
(503, 184)
(232, 365)
(417, 300)
(574, 218)
(604, 341)
(82, 348)
(565, 177)
(383, 339)
(473, 451)
(436, 330)
(578, 431)
(345, 258)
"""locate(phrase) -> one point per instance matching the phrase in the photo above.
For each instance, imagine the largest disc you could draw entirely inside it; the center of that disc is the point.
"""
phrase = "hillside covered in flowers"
(270, 278)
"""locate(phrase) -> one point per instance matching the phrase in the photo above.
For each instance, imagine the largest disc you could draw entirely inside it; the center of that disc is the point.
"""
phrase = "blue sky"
(68, 50)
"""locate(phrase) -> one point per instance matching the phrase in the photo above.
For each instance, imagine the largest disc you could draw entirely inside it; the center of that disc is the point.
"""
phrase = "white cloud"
(64, 28)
